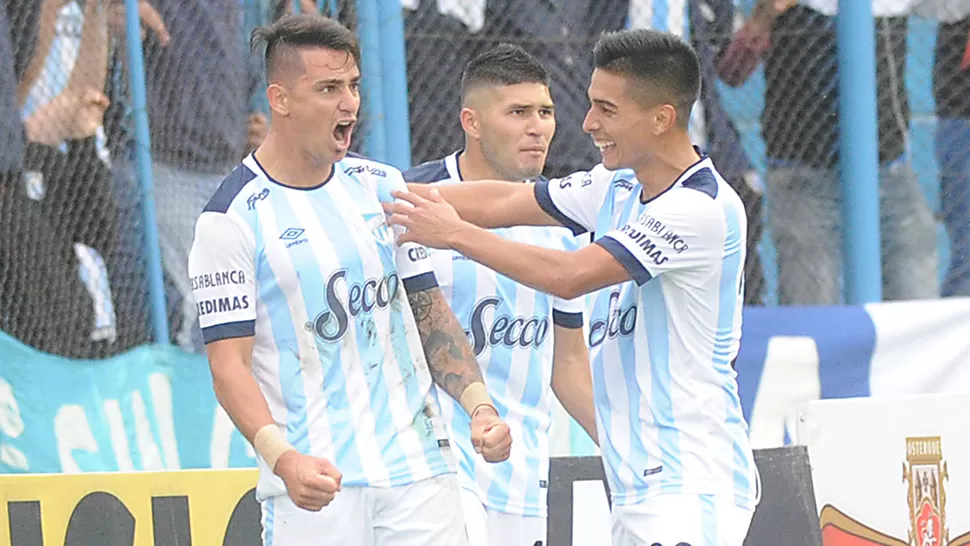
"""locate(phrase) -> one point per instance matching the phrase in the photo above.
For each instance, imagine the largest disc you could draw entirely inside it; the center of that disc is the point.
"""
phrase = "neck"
(474, 166)
(671, 158)
(285, 161)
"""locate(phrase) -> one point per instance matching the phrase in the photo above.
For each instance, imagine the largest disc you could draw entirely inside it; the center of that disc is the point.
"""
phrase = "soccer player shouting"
(314, 320)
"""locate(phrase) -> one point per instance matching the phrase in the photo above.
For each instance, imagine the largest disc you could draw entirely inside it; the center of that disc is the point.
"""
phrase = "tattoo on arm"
(450, 359)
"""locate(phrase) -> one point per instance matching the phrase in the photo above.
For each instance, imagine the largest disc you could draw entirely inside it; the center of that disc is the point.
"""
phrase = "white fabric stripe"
(358, 396)
(401, 412)
(525, 303)
(318, 426)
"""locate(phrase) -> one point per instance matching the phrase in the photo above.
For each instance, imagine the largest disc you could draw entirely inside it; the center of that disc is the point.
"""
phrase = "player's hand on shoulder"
(491, 436)
(311, 482)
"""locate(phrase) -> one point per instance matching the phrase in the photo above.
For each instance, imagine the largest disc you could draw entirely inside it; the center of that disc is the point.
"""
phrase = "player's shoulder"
(428, 172)
(358, 166)
(238, 192)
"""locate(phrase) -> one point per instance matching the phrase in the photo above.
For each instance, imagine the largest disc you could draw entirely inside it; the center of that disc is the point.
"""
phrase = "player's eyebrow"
(604, 102)
(335, 81)
(528, 105)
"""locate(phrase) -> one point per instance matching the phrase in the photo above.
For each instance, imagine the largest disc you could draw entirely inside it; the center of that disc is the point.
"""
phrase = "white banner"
(890, 471)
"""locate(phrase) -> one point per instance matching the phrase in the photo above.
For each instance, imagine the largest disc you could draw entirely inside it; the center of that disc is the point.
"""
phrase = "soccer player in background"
(314, 321)
(528, 344)
(667, 272)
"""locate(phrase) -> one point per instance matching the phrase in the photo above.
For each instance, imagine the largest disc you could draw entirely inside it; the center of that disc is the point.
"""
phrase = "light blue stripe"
(314, 286)
(536, 383)
(372, 355)
(612, 458)
(285, 337)
(658, 20)
(600, 311)
(655, 318)
(709, 520)
(464, 290)
(268, 529)
(730, 269)
(499, 369)
(637, 457)
(404, 354)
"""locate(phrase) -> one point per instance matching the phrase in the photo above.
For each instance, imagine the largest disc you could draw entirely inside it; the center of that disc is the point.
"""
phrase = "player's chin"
(611, 161)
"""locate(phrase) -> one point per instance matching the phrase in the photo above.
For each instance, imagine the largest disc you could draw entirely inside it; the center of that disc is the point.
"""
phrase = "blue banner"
(154, 408)
(150, 409)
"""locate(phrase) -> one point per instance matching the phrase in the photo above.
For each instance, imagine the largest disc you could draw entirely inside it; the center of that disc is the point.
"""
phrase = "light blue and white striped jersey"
(662, 345)
(316, 276)
(511, 328)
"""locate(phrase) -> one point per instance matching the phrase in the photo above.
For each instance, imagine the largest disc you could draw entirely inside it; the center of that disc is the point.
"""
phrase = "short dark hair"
(661, 63)
(505, 64)
(299, 31)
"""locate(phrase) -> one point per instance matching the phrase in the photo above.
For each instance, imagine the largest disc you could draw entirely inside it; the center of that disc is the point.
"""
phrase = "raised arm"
(492, 203)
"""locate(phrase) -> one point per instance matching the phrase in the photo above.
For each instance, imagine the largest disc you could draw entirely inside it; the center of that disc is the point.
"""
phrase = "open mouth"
(342, 133)
(605, 147)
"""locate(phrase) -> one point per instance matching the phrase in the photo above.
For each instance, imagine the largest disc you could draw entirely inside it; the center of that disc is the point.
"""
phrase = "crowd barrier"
(877, 471)
(215, 507)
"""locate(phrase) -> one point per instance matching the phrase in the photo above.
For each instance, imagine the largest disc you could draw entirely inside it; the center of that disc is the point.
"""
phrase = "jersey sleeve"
(569, 313)
(575, 201)
(223, 276)
(413, 261)
(683, 230)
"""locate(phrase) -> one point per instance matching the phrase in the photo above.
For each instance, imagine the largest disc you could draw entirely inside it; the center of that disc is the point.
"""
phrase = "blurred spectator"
(199, 88)
(61, 56)
(711, 25)
(800, 125)
(951, 89)
(440, 39)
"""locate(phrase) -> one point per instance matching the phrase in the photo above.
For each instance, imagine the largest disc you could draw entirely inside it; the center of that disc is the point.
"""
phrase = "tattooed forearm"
(450, 358)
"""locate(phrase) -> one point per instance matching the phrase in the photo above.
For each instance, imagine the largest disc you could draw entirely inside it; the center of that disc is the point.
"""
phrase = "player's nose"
(590, 124)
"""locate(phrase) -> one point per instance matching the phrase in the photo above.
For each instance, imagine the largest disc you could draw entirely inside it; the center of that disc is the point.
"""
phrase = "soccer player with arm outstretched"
(666, 269)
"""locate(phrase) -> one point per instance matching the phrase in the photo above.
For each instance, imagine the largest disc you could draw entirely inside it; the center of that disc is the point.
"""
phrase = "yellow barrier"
(153, 500)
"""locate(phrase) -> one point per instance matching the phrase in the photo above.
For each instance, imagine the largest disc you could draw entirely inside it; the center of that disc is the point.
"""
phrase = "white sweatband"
(270, 444)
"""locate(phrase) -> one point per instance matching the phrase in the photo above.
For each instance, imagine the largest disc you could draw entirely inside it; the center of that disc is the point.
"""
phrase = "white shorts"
(488, 527)
(681, 520)
(425, 513)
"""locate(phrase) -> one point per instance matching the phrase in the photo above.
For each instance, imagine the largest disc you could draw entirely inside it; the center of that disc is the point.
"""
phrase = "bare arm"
(572, 381)
(492, 203)
(230, 361)
(450, 358)
(566, 275)
(454, 368)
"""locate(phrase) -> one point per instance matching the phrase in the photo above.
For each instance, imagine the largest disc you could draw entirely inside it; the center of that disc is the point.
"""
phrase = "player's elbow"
(566, 284)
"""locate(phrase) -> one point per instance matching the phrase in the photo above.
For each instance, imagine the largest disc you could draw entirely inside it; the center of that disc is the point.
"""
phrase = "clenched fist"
(490, 435)
(311, 482)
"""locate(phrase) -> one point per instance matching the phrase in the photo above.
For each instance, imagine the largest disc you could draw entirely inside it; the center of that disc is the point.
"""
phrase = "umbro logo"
(290, 234)
(294, 236)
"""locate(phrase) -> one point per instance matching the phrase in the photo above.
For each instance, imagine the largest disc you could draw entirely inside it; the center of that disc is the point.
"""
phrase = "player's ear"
(470, 122)
(664, 119)
(278, 100)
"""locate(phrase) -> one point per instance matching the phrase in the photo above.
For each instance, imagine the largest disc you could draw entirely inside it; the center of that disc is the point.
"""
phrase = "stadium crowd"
(72, 273)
